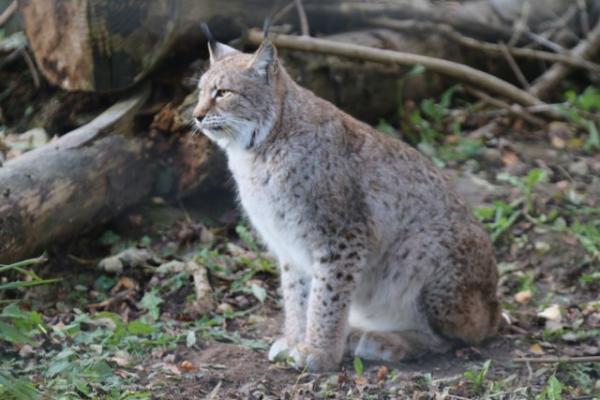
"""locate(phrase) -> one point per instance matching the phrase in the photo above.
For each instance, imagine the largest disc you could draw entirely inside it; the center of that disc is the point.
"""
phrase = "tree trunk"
(104, 45)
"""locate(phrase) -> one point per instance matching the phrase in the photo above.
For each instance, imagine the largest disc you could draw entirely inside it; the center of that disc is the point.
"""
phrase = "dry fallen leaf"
(509, 158)
(187, 366)
(536, 349)
(382, 373)
(551, 313)
(523, 297)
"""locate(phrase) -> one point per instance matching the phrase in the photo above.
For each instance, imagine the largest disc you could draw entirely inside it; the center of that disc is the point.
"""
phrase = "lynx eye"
(219, 93)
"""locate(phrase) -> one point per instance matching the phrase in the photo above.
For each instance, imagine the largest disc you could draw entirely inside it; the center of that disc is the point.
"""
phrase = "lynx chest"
(267, 199)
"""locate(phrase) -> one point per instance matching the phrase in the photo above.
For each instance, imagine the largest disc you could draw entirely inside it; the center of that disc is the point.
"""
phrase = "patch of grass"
(498, 217)
(501, 216)
(477, 377)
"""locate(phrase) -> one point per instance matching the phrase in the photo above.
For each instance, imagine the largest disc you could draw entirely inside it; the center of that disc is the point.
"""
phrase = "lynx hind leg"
(398, 345)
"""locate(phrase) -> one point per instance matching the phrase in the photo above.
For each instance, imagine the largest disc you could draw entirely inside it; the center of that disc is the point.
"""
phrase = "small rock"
(224, 308)
(541, 247)
(579, 168)
(26, 351)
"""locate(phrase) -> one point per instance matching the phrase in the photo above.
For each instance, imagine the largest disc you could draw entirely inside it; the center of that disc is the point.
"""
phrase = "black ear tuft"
(215, 49)
(208, 34)
(267, 26)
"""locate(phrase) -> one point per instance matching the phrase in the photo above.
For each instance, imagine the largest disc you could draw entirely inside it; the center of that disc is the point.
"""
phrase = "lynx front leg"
(327, 324)
(295, 287)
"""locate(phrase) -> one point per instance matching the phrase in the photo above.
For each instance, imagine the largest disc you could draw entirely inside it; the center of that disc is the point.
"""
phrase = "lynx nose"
(198, 114)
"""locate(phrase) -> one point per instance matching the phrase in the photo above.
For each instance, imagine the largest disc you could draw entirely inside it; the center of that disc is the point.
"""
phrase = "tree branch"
(489, 48)
(550, 79)
(549, 360)
(458, 71)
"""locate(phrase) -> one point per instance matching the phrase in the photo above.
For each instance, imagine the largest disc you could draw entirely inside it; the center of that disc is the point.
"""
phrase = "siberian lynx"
(379, 257)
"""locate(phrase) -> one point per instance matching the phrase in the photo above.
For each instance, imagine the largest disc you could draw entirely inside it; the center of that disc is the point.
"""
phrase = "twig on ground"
(514, 66)
(459, 71)
(514, 109)
(8, 13)
(304, 28)
(552, 77)
(551, 360)
(204, 301)
(489, 48)
(32, 68)
(117, 298)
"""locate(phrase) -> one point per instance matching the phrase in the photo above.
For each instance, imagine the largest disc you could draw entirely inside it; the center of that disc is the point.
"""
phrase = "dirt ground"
(137, 331)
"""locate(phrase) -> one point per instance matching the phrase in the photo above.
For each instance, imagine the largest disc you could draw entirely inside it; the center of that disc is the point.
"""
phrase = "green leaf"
(246, 237)
(12, 334)
(417, 69)
(20, 389)
(385, 127)
(109, 238)
(358, 366)
(552, 391)
(259, 292)
(151, 302)
(593, 141)
(138, 327)
(190, 339)
(58, 366)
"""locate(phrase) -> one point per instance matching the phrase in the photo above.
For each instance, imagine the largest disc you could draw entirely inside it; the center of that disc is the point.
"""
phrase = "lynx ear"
(265, 59)
(215, 49)
(218, 50)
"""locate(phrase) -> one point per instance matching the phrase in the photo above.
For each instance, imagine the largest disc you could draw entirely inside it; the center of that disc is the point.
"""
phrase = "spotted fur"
(379, 256)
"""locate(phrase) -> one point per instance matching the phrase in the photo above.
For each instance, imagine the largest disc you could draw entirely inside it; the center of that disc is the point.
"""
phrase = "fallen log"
(103, 45)
(84, 178)
(89, 176)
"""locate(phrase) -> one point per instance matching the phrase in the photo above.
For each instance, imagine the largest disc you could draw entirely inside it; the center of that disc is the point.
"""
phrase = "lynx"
(379, 257)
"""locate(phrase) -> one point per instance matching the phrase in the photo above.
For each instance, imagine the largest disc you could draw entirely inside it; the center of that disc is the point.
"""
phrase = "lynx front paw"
(312, 359)
(279, 349)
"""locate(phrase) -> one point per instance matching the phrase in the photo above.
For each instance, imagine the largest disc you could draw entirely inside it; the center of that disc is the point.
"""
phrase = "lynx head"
(236, 102)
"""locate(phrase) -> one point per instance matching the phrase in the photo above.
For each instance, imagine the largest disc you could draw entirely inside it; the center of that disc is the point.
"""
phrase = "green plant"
(20, 268)
(578, 109)
(16, 388)
(498, 217)
(425, 124)
(477, 378)
(526, 185)
(552, 391)
(358, 366)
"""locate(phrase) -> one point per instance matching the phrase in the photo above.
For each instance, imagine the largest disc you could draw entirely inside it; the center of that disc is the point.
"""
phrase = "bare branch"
(550, 79)
(489, 48)
(551, 360)
(459, 71)
(514, 66)
(514, 109)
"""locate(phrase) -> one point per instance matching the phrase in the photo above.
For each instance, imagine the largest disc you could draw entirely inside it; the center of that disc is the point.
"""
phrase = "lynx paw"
(279, 348)
(313, 360)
